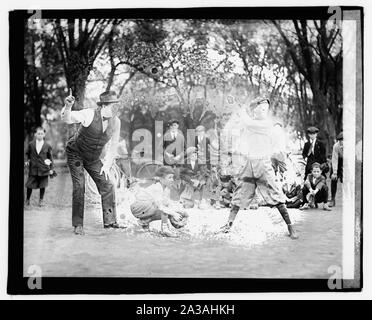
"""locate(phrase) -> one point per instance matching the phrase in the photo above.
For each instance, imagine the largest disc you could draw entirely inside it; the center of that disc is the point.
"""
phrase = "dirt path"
(258, 246)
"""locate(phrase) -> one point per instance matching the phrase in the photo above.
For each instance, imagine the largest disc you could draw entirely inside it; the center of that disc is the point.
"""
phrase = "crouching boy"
(315, 189)
(153, 203)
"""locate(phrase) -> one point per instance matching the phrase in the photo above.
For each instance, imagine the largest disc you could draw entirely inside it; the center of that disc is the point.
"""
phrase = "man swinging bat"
(257, 175)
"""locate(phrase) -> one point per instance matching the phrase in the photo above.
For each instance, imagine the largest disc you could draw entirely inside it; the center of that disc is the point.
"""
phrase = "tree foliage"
(186, 69)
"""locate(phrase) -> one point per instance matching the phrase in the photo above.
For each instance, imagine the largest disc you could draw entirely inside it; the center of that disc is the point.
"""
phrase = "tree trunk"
(112, 62)
(78, 69)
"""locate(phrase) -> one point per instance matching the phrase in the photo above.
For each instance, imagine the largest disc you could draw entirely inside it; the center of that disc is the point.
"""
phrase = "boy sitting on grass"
(315, 189)
(153, 203)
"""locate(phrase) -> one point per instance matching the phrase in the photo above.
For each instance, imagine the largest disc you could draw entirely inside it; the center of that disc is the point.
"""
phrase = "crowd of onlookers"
(203, 183)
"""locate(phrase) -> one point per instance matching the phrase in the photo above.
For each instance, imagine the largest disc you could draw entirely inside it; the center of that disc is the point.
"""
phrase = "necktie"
(311, 150)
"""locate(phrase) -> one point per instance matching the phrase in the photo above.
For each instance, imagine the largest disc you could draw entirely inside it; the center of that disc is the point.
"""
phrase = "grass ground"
(258, 247)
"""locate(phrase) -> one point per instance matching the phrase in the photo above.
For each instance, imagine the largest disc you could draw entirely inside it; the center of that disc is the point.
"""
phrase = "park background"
(184, 69)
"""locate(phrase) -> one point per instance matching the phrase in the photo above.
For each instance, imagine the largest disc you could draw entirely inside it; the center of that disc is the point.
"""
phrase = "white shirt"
(251, 137)
(39, 145)
(192, 162)
(337, 153)
(85, 117)
(311, 151)
(174, 135)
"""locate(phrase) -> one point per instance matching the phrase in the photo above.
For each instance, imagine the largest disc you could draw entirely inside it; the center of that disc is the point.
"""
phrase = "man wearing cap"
(92, 148)
(337, 167)
(257, 172)
(314, 151)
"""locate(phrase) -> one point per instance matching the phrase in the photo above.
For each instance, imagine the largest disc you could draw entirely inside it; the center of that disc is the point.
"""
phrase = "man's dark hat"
(312, 130)
(108, 97)
(173, 121)
(258, 101)
(340, 136)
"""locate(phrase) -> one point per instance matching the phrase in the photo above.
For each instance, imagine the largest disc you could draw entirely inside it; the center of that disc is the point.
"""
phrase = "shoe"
(114, 225)
(311, 202)
(332, 203)
(292, 233)
(326, 207)
(144, 224)
(168, 233)
(79, 230)
(41, 203)
(165, 231)
(305, 206)
(224, 229)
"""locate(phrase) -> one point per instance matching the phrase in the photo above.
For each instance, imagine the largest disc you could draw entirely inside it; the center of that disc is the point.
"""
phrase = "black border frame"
(17, 284)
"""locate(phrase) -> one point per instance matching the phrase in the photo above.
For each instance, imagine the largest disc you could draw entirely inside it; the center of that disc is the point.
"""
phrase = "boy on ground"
(153, 203)
(315, 189)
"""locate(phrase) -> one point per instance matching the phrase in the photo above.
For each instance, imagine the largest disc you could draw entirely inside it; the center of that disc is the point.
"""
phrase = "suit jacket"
(319, 182)
(174, 146)
(37, 166)
(203, 149)
(319, 154)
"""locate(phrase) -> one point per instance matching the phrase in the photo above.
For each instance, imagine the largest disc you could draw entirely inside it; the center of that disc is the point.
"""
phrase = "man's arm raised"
(85, 116)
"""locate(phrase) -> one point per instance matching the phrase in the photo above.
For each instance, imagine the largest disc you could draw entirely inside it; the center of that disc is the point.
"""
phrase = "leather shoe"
(114, 225)
(79, 230)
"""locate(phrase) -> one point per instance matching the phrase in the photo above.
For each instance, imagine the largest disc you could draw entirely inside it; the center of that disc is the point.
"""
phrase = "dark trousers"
(105, 188)
(296, 204)
(29, 192)
(339, 177)
(321, 195)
